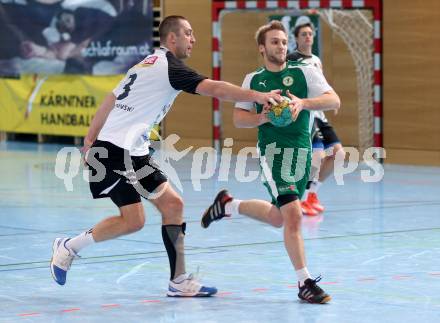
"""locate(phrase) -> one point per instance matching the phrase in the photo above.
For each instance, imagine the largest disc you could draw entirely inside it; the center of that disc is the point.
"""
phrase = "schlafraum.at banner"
(98, 37)
(55, 105)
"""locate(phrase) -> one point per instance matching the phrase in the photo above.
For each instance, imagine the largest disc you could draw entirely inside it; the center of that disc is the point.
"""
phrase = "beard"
(182, 53)
(275, 59)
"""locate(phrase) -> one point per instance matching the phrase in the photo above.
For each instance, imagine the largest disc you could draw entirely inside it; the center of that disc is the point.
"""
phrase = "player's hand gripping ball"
(280, 114)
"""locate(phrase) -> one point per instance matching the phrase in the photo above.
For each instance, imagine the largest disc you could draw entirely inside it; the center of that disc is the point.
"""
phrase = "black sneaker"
(216, 210)
(312, 293)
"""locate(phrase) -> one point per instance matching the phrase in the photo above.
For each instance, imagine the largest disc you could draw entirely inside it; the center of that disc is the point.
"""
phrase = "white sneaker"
(62, 258)
(187, 286)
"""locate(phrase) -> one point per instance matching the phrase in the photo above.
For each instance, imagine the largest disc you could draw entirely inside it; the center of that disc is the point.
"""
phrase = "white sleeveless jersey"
(143, 98)
(315, 61)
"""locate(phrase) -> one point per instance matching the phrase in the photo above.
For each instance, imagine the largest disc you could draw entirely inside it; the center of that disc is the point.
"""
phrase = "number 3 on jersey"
(127, 88)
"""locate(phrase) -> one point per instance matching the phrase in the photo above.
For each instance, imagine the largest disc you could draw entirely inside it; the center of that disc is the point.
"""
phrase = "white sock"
(80, 241)
(232, 207)
(314, 187)
(302, 275)
(304, 197)
(180, 278)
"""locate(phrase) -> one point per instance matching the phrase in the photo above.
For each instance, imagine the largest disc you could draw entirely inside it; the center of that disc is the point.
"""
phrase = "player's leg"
(170, 205)
(309, 208)
(294, 244)
(290, 206)
(318, 154)
(328, 164)
(332, 148)
(131, 216)
(263, 211)
(225, 205)
(65, 250)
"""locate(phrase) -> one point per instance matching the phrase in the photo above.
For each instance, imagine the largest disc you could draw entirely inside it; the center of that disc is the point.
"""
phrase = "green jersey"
(303, 81)
(287, 170)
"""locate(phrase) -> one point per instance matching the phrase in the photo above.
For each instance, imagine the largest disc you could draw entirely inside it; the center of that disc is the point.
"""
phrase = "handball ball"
(279, 114)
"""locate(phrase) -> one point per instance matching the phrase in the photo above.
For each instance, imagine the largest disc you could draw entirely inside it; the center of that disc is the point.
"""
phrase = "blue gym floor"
(377, 247)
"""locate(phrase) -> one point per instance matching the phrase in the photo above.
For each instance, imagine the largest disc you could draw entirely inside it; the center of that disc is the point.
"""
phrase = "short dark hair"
(299, 27)
(260, 35)
(169, 24)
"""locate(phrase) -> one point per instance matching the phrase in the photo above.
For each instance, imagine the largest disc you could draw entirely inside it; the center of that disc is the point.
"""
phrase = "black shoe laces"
(315, 288)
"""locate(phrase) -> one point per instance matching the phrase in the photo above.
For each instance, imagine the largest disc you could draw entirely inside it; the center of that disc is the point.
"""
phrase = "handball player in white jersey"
(325, 142)
(117, 147)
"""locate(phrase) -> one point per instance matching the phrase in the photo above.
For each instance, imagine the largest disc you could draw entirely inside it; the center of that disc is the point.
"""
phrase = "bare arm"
(248, 119)
(229, 92)
(327, 101)
(99, 120)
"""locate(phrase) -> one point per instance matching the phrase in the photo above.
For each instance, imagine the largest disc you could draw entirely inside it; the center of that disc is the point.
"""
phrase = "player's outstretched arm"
(326, 101)
(229, 92)
(99, 120)
(249, 119)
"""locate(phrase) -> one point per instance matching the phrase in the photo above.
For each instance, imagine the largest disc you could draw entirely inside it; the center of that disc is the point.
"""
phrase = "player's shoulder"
(295, 56)
(306, 69)
(296, 64)
(255, 73)
(154, 59)
(316, 59)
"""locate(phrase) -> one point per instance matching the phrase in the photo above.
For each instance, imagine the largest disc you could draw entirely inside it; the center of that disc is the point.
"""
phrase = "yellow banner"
(54, 105)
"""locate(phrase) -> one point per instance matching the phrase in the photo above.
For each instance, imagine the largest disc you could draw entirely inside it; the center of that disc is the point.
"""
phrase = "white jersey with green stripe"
(303, 81)
(315, 61)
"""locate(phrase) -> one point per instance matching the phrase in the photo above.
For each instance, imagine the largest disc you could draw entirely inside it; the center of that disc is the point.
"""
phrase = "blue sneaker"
(187, 286)
(62, 258)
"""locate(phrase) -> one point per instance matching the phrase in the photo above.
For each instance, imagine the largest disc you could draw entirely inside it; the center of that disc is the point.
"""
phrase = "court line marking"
(35, 231)
(162, 253)
(220, 294)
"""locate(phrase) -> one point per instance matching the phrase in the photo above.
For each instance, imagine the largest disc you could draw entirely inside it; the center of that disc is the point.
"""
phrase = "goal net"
(355, 29)
(354, 24)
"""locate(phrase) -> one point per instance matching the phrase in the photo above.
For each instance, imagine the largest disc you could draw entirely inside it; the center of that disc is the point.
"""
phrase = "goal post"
(362, 36)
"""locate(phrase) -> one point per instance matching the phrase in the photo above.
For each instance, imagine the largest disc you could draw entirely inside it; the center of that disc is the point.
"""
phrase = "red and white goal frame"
(374, 5)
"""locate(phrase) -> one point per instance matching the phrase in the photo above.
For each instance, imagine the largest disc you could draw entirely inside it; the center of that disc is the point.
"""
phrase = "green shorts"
(286, 172)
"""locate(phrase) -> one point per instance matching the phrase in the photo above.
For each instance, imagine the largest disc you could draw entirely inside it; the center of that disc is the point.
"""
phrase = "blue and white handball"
(280, 114)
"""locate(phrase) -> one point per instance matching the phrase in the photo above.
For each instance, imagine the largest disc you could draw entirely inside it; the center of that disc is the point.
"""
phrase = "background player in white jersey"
(117, 144)
(326, 144)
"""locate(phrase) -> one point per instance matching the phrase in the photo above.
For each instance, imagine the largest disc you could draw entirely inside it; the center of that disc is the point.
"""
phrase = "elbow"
(239, 122)
(236, 122)
(337, 102)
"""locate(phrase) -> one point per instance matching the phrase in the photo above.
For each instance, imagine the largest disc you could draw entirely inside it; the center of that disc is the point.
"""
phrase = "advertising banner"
(56, 104)
(98, 37)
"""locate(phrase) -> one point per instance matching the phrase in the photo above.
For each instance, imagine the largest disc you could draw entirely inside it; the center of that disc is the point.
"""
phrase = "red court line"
(259, 290)
(223, 294)
(363, 279)
(110, 305)
(29, 314)
(71, 310)
(220, 294)
(401, 277)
